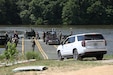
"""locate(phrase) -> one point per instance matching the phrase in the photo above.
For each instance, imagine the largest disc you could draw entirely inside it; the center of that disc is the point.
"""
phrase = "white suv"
(83, 45)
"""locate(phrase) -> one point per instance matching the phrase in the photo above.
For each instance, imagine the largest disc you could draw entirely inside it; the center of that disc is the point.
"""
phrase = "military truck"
(29, 34)
(51, 38)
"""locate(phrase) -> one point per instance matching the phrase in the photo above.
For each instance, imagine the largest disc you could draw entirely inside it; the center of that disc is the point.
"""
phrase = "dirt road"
(99, 70)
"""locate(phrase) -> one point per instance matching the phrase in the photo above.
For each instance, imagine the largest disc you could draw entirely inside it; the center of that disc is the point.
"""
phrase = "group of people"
(59, 35)
(13, 38)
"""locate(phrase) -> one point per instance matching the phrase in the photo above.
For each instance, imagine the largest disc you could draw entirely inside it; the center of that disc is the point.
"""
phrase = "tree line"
(56, 12)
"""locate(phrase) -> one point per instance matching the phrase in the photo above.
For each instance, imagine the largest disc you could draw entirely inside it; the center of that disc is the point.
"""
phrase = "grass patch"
(108, 56)
(33, 55)
(54, 64)
(2, 57)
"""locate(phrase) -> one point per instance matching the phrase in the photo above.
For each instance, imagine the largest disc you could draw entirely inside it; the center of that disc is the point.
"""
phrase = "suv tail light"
(83, 43)
(105, 43)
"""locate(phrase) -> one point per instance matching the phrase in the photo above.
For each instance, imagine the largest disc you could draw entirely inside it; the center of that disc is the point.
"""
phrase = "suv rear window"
(91, 37)
(80, 38)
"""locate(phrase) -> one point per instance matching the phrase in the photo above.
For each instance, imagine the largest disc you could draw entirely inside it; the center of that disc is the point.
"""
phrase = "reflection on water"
(107, 31)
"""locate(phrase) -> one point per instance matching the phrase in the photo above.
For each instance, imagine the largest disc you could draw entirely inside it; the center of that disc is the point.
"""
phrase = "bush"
(32, 55)
(2, 57)
(11, 53)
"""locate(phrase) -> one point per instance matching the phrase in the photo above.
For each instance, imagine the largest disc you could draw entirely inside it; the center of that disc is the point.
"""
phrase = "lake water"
(107, 31)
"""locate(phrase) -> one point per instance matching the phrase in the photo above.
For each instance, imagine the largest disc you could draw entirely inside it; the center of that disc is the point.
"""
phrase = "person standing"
(43, 36)
(6, 37)
(60, 36)
(37, 35)
(71, 33)
(6, 34)
(15, 34)
(15, 37)
(33, 44)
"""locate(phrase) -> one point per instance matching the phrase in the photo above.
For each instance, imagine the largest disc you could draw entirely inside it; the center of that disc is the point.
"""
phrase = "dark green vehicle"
(3, 41)
(51, 38)
(29, 34)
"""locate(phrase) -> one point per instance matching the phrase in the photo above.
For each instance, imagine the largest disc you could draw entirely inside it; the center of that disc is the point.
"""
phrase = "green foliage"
(24, 15)
(11, 53)
(9, 12)
(2, 57)
(55, 12)
(39, 21)
(32, 55)
(70, 12)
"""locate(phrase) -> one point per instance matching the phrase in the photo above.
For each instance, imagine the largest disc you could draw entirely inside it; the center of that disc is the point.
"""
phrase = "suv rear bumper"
(93, 54)
(56, 42)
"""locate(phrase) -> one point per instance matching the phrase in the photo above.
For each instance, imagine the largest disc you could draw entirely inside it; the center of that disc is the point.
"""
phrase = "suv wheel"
(99, 57)
(75, 55)
(60, 56)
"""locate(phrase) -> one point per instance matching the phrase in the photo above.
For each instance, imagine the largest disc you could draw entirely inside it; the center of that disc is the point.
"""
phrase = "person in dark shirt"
(60, 36)
(6, 37)
(33, 44)
(15, 38)
(43, 36)
(15, 35)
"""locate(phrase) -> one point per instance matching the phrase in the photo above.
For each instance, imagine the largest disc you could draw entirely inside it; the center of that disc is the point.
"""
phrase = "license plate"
(95, 44)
